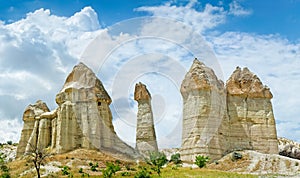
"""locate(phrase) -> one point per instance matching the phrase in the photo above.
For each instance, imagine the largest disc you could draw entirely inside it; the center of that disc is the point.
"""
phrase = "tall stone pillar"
(145, 132)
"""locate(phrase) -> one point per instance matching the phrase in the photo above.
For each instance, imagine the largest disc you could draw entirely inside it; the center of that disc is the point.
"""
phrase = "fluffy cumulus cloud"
(276, 61)
(273, 58)
(36, 54)
(38, 51)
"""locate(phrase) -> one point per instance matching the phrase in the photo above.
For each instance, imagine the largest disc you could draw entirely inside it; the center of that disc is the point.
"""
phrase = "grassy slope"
(81, 158)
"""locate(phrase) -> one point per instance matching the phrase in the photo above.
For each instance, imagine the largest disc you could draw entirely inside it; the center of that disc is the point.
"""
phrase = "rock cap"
(141, 92)
(243, 82)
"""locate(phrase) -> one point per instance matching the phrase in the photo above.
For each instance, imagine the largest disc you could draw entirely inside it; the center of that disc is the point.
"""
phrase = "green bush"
(201, 161)
(110, 170)
(125, 174)
(65, 170)
(9, 142)
(5, 175)
(93, 166)
(156, 161)
(4, 168)
(142, 173)
(80, 170)
(175, 158)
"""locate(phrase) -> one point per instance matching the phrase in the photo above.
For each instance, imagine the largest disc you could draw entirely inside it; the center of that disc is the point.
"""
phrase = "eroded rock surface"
(145, 132)
(204, 114)
(289, 148)
(218, 120)
(82, 120)
(252, 122)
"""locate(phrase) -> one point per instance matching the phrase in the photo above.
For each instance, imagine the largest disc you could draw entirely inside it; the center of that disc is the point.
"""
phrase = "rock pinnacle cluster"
(83, 119)
(218, 118)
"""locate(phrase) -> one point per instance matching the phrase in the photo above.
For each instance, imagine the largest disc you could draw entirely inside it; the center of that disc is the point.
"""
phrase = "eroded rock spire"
(145, 132)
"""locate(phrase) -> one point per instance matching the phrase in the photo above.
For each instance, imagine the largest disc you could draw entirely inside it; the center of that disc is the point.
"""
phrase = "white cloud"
(38, 51)
(200, 21)
(274, 60)
(10, 130)
(36, 54)
(236, 9)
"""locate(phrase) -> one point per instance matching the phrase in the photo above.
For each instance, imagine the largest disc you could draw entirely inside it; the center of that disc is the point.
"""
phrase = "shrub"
(110, 170)
(125, 174)
(156, 160)
(93, 166)
(65, 170)
(175, 158)
(142, 173)
(9, 142)
(3, 167)
(5, 175)
(201, 161)
(80, 170)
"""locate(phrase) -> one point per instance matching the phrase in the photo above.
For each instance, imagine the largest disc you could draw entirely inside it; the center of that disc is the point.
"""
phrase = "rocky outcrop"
(82, 120)
(204, 114)
(252, 123)
(218, 120)
(145, 132)
(30, 131)
(289, 148)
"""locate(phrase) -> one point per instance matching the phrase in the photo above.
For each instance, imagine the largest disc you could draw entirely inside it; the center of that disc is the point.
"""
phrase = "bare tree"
(37, 155)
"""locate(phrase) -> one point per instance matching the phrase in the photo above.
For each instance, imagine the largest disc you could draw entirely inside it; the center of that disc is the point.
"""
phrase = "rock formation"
(30, 132)
(251, 118)
(145, 132)
(218, 120)
(204, 113)
(289, 148)
(82, 120)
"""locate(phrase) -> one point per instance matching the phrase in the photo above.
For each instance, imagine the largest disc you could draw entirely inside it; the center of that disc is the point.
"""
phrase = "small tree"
(37, 155)
(157, 160)
(201, 160)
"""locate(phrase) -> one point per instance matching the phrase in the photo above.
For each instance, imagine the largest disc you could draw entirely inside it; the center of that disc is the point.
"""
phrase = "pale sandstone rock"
(204, 114)
(217, 121)
(82, 120)
(30, 127)
(145, 132)
(289, 148)
(252, 122)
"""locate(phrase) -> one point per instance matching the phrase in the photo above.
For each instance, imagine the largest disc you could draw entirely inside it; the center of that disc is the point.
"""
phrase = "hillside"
(252, 164)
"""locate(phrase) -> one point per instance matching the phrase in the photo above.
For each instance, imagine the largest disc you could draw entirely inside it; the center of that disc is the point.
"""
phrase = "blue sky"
(40, 42)
(276, 17)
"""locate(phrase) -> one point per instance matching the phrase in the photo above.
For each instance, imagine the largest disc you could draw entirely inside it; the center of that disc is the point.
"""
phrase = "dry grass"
(81, 158)
(228, 165)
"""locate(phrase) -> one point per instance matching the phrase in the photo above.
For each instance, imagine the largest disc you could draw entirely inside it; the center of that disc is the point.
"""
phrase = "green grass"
(168, 172)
